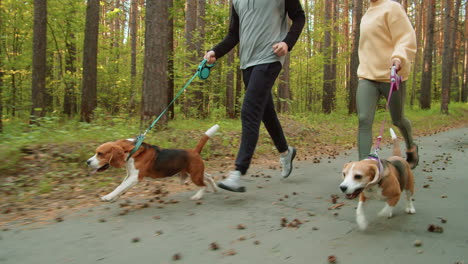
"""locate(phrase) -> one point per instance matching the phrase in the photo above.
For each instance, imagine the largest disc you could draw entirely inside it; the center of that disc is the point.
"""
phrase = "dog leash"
(203, 72)
(395, 81)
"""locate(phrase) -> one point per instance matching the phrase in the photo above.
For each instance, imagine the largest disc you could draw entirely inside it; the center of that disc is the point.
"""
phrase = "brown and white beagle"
(379, 179)
(154, 162)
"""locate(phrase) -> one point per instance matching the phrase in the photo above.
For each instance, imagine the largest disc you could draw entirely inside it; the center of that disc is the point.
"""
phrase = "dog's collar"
(381, 166)
(379, 161)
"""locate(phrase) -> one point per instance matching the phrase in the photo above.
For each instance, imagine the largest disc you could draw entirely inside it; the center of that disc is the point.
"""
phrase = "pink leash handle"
(395, 81)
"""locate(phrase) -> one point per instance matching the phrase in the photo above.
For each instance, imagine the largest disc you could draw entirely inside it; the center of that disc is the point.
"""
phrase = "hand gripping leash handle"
(395, 81)
(204, 69)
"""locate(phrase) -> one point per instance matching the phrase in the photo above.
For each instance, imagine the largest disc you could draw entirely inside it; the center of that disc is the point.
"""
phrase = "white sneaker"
(232, 183)
(286, 160)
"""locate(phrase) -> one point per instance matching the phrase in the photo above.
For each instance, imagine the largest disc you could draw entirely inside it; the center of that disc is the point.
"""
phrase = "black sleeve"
(231, 39)
(296, 14)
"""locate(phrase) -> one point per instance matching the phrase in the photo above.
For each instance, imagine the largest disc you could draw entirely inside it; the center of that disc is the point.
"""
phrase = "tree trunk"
(447, 57)
(170, 62)
(39, 60)
(334, 55)
(455, 53)
(155, 84)
(89, 87)
(191, 100)
(416, 65)
(133, 47)
(117, 36)
(238, 86)
(230, 95)
(284, 91)
(464, 96)
(345, 48)
(426, 79)
(354, 64)
(201, 99)
(328, 78)
(308, 88)
(69, 97)
(2, 54)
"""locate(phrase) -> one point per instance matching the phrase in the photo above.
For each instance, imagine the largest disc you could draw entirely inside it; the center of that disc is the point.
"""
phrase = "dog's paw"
(385, 213)
(362, 224)
(108, 198)
(196, 197)
(410, 210)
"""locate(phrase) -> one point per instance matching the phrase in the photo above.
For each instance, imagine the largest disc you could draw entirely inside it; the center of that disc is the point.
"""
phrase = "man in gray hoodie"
(261, 28)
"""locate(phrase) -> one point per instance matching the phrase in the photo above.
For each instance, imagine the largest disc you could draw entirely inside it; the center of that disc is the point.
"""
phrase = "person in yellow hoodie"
(387, 39)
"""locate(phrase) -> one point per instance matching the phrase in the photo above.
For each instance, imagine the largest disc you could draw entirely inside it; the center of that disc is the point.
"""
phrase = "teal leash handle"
(203, 72)
(204, 69)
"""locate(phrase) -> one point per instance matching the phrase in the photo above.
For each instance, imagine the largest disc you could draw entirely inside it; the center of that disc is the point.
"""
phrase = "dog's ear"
(374, 170)
(126, 145)
(345, 167)
(117, 159)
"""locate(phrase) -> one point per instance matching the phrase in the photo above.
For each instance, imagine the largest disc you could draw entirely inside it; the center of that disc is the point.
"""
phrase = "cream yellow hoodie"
(386, 34)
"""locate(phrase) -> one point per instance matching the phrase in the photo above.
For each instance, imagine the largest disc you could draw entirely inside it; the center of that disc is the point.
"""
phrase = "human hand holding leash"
(210, 57)
(397, 64)
(280, 49)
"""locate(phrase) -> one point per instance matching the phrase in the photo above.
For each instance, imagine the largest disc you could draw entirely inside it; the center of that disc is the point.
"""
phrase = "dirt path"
(247, 227)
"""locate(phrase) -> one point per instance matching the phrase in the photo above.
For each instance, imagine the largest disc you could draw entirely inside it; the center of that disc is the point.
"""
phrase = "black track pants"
(258, 106)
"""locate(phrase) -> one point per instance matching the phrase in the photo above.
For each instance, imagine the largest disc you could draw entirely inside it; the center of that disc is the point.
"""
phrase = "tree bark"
(447, 57)
(191, 100)
(70, 107)
(345, 48)
(328, 78)
(2, 54)
(354, 64)
(238, 86)
(308, 88)
(155, 79)
(39, 61)
(170, 62)
(416, 65)
(426, 79)
(133, 48)
(200, 97)
(455, 53)
(117, 36)
(334, 55)
(230, 95)
(89, 87)
(464, 93)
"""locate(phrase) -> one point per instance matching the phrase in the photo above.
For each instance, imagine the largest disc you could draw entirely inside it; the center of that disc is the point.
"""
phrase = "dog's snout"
(88, 162)
(343, 188)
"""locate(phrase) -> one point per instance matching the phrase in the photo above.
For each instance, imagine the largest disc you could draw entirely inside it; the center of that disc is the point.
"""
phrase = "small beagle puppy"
(373, 178)
(154, 162)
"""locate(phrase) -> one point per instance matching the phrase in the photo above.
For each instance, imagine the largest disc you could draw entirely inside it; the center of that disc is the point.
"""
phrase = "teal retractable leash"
(203, 72)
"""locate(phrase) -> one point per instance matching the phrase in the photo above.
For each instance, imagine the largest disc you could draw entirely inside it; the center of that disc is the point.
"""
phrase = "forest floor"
(51, 179)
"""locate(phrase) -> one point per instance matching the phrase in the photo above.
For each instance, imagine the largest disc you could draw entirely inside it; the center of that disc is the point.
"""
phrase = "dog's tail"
(208, 134)
(396, 144)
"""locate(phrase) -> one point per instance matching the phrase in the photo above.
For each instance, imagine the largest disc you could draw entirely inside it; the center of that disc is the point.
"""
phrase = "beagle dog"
(154, 162)
(373, 178)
